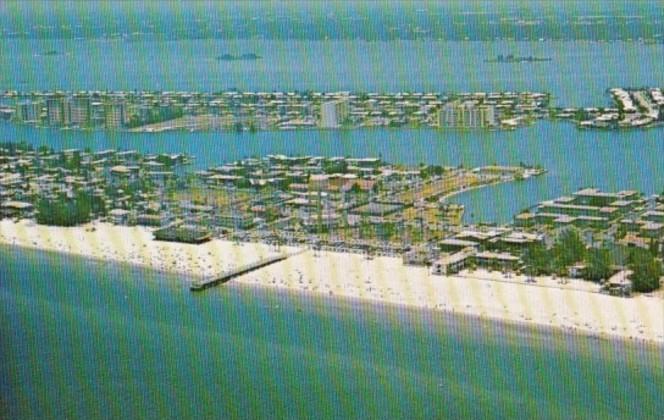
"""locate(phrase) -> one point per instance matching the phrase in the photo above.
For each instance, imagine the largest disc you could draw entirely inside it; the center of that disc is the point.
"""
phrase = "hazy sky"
(345, 19)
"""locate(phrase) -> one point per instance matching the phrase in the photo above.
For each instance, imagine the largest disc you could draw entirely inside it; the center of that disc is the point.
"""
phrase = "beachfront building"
(497, 260)
(451, 263)
(453, 245)
(183, 233)
(119, 216)
(233, 220)
(323, 222)
(516, 242)
(16, 209)
(333, 113)
(420, 255)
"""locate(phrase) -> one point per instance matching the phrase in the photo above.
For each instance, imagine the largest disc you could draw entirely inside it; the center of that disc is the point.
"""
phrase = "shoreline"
(343, 302)
(578, 325)
(381, 281)
(475, 187)
(545, 332)
(445, 197)
(131, 245)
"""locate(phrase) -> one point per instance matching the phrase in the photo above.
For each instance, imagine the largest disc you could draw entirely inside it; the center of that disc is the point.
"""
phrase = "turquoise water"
(82, 339)
(574, 158)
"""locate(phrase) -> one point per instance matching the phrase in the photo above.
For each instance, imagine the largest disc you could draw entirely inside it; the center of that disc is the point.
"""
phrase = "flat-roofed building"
(455, 245)
(16, 209)
(324, 221)
(115, 115)
(578, 210)
(652, 230)
(334, 113)
(466, 115)
(516, 242)
(595, 197)
(653, 216)
(28, 111)
(79, 111)
(55, 112)
(451, 263)
(496, 259)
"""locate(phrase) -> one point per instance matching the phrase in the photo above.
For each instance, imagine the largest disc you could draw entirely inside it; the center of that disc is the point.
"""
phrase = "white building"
(77, 111)
(466, 115)
(55, 112)
(333, 113)
(115, 116)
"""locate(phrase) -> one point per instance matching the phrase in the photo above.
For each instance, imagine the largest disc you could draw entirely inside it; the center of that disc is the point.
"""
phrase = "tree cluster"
(599, 263)
(646, 271)
(568, 250)
(431, 170)
(65, 211)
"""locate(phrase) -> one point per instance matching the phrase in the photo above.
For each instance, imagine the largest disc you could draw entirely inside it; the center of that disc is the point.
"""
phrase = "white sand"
(574, 306)
(134, 245)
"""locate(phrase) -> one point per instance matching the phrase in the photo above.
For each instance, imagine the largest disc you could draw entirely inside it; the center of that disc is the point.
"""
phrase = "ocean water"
(578, 75)
(83, 339)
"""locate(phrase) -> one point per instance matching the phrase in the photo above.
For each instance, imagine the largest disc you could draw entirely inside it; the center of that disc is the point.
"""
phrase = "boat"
(232, 57)
(511, 58)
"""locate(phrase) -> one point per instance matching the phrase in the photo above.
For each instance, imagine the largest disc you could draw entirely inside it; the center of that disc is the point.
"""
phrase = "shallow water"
(86, 339)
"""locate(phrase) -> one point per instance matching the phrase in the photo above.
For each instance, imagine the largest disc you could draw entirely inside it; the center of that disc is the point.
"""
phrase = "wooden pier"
(227, 275)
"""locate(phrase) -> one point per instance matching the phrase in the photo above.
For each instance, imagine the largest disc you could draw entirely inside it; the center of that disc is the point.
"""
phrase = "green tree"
(75, 162)
(567, 250)
(598, 264)
(537, 260)
(165, 160)
(646, 271)
(63, 211)
(355, 189)
(653, 247)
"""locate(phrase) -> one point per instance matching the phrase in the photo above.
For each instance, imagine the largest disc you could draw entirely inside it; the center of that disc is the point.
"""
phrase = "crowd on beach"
(350, 275)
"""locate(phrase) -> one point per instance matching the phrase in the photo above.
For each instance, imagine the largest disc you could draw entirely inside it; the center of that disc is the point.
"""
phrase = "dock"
(227, 275)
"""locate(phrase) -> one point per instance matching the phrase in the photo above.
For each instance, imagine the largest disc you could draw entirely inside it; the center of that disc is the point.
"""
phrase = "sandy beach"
(574, 307)
(134, 245)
